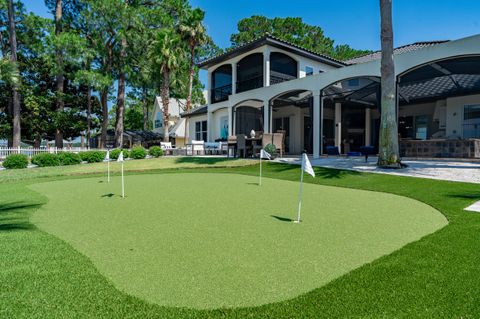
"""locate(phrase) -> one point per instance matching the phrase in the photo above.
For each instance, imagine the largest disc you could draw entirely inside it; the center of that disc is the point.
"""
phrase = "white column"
(317, 125)
(210, 126)
(368, 128)
(266, 116)
(234, 78)
(266, 67)
(209, 87)
(230, 120)
(338, 125)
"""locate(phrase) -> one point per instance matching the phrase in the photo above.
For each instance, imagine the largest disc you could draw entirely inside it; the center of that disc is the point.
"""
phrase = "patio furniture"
(196, 147)
(332, 150)
(366, 151)
(278, 142)
(242, 147)
(266, 139)
(212, 148)
(167, 147)
(232, 145)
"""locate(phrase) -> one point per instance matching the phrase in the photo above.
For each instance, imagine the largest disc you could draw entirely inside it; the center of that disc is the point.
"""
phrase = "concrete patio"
(449, 170)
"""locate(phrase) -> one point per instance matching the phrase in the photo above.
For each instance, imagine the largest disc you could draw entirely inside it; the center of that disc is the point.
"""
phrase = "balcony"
(277, 77)
(221, 93)
(250, 84)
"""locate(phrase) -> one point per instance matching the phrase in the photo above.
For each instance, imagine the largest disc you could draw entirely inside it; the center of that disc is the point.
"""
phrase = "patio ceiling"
(295, 98)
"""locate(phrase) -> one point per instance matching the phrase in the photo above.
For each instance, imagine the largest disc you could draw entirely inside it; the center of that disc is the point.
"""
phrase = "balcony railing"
(250, 84)
(277, 77)
(221, 93)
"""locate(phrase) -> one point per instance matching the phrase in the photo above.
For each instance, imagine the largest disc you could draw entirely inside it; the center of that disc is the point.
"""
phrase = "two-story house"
(270, 85)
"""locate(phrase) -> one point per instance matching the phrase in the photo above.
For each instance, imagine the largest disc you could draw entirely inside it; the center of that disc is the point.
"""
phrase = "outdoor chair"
(167, 147)
(197, 147)
(278, 142)
(266, 139)
(366, 151)
(212, 147)
(232, 145)
(332, 150)
(242, 148)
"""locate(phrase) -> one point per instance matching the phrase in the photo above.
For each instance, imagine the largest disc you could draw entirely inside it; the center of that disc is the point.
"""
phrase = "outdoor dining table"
(253, 141)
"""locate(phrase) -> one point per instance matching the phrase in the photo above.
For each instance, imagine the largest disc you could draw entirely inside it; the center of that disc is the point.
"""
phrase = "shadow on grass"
(473, 195)
(15, 216)
(282, 219)
(202, 160)
(108, 195)
(322, 172)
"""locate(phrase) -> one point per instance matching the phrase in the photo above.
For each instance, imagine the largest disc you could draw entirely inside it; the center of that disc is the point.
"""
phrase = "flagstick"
(260, 181)
(123, 184)
(300, 198)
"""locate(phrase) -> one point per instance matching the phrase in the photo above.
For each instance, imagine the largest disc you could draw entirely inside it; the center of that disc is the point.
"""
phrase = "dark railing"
(221, 93)
(250, 84)
(277, 77)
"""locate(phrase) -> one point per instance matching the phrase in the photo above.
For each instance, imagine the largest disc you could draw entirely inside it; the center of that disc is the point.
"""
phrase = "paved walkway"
(450, 170)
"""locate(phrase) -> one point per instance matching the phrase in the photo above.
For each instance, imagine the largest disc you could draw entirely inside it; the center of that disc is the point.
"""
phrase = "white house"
(269, 85)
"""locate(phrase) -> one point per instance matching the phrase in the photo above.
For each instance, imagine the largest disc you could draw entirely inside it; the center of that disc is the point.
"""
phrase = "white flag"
(265, 154)
(107, 156)
(120, 157)
(306, 166)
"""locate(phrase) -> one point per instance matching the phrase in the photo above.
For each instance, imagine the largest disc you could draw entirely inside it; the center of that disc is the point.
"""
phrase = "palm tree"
(194, 34)
(59, 77)
(9, 72)
(388, 155)
(166, 54)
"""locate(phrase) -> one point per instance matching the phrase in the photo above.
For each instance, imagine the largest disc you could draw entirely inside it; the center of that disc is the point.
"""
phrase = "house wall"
(191, 124)
(455, 106)
(218, 118)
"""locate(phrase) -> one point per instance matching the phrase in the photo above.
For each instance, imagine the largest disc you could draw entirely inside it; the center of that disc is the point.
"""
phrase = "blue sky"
(352, 22)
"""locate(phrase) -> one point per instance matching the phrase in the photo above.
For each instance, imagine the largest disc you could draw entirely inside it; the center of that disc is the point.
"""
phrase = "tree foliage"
(293, 30)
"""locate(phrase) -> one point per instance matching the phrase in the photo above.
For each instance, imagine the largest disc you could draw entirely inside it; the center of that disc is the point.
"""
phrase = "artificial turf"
(41, 276)
(219, 240)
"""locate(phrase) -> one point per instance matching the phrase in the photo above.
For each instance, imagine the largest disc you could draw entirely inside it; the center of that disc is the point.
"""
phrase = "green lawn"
(219, 240)
(435, 277)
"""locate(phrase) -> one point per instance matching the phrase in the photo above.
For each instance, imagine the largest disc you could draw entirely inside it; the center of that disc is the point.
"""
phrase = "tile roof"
(196, 111)
(271, 40)
(403, 49)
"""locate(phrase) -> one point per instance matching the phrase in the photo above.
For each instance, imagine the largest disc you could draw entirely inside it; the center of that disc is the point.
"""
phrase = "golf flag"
(306, 167)
(263, 154)
(120, 159)
(107, 158)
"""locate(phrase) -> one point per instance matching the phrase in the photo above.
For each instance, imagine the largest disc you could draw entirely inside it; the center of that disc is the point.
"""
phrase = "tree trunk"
(188, 103)
(165, 94)
(59, 77)
(104, 103)
(145, 110)
(120, 98)
(388, 155)
(16, 134)
(89, 114)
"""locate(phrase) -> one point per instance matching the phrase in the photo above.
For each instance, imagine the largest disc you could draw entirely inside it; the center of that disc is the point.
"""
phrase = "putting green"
(219, 240)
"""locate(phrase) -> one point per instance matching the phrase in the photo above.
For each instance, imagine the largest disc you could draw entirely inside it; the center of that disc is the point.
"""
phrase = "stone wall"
(441, 148)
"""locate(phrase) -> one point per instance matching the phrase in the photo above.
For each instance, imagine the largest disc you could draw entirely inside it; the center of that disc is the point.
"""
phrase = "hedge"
(16, 161)
(138, 152)
(46, 159)
(92, 156)
(155, 151)
(116, 152)
(67, 158)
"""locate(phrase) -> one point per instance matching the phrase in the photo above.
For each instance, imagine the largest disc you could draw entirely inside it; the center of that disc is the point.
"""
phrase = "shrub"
(155, 151)
(115, 153)
(92, 156)
(46, 159)
(138, 152)
(271, 149)
(16, 161)
(69, 158)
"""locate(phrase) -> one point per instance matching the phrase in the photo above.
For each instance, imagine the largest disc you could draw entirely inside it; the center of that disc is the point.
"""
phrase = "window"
(158, 120)
(201, 131)
(308, 70)
(353, 82)
(471, 121)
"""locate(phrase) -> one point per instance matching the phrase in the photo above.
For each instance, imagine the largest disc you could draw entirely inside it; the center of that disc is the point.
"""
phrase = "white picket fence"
(30, 151)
